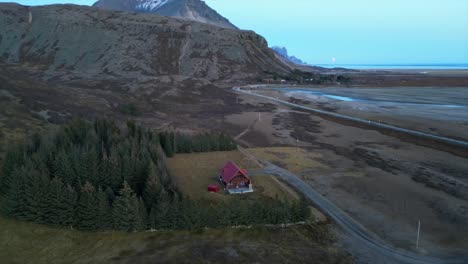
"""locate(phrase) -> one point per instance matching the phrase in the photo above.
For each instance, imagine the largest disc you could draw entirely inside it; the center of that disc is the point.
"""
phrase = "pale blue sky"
(355, 32)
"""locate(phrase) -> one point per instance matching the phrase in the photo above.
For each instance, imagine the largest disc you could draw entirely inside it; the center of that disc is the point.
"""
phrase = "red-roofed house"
(234, 179)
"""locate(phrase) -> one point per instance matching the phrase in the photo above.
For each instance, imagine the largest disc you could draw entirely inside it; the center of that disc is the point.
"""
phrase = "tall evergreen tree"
(142, 215)
(15, 203)
(68, 206)
(104, 210)
(162, 217)
(152, 187)
(63, 167)
(167, 143)
(152, 217)
(87, 208)
(55, 201)
(35, 190)
(124, 211)
(14, 158)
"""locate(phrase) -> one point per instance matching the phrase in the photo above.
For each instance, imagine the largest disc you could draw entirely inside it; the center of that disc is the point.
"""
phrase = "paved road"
(358, 233)
(446, 140)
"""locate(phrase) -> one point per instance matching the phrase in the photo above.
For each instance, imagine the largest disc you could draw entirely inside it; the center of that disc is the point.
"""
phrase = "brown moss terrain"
(387, 184)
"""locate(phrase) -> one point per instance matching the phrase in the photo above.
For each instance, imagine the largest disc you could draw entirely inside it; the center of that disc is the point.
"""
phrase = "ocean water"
(454, 66)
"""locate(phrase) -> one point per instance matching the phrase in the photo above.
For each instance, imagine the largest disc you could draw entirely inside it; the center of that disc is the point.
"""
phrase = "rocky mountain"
(283, 52)
(195, 10)
(87, 41)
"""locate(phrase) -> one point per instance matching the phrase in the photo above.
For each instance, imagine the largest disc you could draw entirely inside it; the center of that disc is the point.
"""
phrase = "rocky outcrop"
(283, 52)
(89, 41)
(194, 10)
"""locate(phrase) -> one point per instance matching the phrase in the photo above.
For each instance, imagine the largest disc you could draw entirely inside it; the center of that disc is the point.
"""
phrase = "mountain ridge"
(90, 42)
(283, 52)
(194, 10)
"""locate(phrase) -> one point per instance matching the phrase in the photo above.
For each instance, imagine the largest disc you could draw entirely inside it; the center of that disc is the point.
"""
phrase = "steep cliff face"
(90, 41)
(194, 10)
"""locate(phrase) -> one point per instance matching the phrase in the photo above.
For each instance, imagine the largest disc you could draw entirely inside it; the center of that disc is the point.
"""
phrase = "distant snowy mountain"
(195, 10)
(283, 52)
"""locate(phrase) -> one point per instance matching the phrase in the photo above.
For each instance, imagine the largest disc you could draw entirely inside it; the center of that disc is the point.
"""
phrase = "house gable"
(231, 171)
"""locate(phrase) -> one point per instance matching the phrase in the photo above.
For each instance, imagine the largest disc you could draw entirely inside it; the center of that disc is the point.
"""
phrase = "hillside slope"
(89, 42)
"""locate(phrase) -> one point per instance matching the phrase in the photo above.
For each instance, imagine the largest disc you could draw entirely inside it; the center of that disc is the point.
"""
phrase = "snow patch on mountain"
(150, 5)
(194, 10)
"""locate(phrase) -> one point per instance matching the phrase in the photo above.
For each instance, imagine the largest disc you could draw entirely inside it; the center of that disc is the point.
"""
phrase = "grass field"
(31, 243)
(296, 160)
(195, 171)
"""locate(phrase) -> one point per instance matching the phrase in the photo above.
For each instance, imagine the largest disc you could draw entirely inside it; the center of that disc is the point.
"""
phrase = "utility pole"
(417, 237)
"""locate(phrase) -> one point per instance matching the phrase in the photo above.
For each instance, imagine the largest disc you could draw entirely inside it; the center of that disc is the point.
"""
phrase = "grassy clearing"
(193, 172)
(296, 160)
(270, 186)
(31, 243)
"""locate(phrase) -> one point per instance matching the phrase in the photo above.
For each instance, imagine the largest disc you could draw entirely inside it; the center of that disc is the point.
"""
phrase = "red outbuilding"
(214, 188)
(234, 179)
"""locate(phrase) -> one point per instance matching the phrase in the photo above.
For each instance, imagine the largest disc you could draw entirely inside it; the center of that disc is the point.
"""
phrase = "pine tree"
(152, 217)
(61, 203)
(124, 212)
(167, 143)
(15, 203)
(163, 219)
(142, 167)
(68, 206)
(63, 167)
(45, 202)
(55, 201)
(110, 172)
(87, 208)
(142, 215)
(90, 165)
(110, 194)
(14, 158)
(104, 210)
(34, 190)
(152, 187)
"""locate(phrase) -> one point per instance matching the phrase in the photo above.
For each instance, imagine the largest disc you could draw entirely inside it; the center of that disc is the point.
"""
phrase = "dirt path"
(247, 129)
